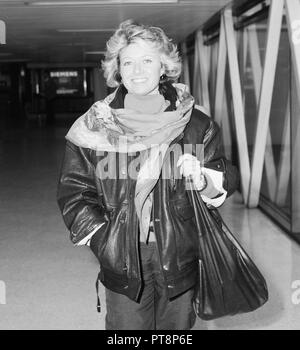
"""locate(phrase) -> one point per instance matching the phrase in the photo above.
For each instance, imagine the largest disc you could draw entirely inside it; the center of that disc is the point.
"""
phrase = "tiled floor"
(49, 283)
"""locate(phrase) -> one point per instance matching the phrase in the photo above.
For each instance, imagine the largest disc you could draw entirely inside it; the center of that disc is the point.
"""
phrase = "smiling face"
(141, 68)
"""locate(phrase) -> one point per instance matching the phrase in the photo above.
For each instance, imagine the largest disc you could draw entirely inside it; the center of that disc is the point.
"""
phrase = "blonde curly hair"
(127, 33)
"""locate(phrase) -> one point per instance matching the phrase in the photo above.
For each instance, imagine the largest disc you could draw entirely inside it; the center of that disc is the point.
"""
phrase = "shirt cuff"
(215, 202)
(86, 239)
(217, 179)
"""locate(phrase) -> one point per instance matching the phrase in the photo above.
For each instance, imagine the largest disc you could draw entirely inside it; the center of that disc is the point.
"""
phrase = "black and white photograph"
(149, 167)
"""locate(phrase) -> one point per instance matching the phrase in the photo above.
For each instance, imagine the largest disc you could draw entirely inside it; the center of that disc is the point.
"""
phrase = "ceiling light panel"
(92, 30)
(94, 52)
(99, 2)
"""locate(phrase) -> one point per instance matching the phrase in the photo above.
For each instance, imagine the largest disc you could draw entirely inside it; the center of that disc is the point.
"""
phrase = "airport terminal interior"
(241, 62)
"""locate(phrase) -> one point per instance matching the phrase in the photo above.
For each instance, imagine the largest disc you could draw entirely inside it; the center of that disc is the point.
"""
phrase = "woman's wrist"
(203, 182)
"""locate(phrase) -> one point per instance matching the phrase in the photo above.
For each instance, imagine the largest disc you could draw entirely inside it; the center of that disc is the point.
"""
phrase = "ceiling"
(57, 33)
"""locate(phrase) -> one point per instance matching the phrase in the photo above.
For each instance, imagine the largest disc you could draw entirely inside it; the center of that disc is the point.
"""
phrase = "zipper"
(125, 240)
(172, 171)
(130, 184)
(97, 291)
(137, 242)
(157, 241)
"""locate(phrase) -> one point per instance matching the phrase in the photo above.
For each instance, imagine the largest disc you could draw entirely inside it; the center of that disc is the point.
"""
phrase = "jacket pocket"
(97, 238)
(112, 255)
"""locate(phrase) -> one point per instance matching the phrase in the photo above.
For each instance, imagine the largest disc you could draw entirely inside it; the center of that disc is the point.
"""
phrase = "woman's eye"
(147, 60)
(127, 63)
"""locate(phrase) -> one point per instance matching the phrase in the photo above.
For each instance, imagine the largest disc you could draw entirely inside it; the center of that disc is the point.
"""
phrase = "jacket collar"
(166, 89)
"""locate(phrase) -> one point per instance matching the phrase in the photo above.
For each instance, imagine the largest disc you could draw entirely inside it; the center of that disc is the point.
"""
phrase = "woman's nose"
(137, 67)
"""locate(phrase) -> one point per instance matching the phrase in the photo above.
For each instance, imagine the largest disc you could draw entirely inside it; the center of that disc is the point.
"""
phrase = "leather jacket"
(87, 200)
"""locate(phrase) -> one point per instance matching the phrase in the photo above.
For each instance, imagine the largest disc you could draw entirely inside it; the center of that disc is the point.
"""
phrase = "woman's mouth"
(138, 80)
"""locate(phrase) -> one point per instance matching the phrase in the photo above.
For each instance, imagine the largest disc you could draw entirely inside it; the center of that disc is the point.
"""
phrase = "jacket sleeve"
(214, 158)
(78, 198)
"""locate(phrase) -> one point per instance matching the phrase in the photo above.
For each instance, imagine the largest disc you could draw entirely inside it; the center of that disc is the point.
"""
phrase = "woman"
(121, 189)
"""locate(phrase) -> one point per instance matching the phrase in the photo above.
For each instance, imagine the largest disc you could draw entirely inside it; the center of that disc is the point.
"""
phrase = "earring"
(163, 78)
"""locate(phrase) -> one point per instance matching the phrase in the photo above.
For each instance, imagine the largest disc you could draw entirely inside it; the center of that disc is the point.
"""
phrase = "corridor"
(50, 284)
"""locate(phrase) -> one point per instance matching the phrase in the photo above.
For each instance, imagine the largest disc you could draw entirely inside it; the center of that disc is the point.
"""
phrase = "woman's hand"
(190, 167)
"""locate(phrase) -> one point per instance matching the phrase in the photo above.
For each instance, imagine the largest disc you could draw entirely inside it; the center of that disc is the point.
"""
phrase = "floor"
(47, 283)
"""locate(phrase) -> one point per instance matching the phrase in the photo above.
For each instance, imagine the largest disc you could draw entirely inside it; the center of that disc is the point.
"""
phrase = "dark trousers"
(154, 311)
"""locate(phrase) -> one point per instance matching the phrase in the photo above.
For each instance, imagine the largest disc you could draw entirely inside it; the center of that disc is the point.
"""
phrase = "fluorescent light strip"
(14, 59)
(84, 30)
(94, 53)
(74, 44)
(99, 2)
